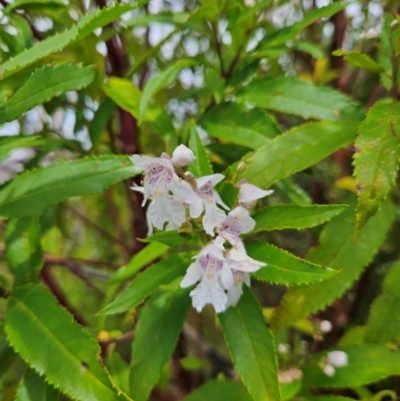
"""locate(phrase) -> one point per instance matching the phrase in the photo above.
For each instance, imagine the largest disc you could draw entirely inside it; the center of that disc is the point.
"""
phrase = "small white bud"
(182, 156)
(325, 326)
(329, 370)
(338, 358)
(283, 348)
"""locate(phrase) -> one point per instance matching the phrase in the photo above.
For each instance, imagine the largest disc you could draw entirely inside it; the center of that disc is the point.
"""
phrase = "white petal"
(338, 358)
(193, 274)
(182, 156)
(209, 292)
(249, 193)
(234, 294)
(237, 222)
(226, 276)
(163, 210)
(175, 212)
(212, 218)
(214, 178)
(212, 250)
(329, 370)
(185, 193)
(246, 279)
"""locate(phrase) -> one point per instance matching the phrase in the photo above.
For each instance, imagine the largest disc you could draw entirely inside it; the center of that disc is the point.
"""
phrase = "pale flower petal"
(212, 218)
(237, 222)
(249, 193)
(182, 156)
(192, 276)
(226, 276)
(329, 370)
(209, 292)
(164, 209)
(236, 290)
(338, 358)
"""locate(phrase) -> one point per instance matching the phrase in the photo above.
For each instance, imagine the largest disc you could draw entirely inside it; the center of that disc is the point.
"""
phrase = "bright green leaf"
(219, 391)
(295, 150)
(252, 348)
(156, 334)
(34, 388)
(32, 192)
(340, 250)
(233, 122)
(366, 364)
(44, 84)
(359, 60)
(201, 165)
(33, 4)
(169, 238)
(281, 217)
(70, 363)
(119, 370)
(376, 158)
(294, 96)
(285, 268)
(147, 282)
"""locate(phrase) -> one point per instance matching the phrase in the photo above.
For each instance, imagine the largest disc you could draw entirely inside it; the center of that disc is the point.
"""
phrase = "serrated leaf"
(295, 150)
(219, 391)
(33, 4)
(238, 124)
(201, 165)
(359, 60)
(10, 143)
(23, 251)
(84, 27)
(289, 191)
(252, 348)
(383, 322)
(294, 96)
(340, 250)
(366, 364)
(147, 282)
(285, 268)
(43, 85)
(119, 370)
(284, 35)
(169, 238)
(32, 192)
(156, 334)
(160, 81)
(34, 388)
(376, 160)
(139, 260)
(100, 120)
(70, 363)
(281, 217)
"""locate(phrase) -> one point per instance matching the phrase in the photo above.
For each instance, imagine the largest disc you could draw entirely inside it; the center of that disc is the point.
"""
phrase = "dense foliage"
(293, 104)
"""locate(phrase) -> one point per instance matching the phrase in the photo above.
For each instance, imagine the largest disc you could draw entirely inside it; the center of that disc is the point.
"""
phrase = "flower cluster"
(334, 359)
(222, 266)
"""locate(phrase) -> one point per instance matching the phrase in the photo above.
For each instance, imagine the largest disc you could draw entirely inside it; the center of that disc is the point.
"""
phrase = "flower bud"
(241, 167)
(325, 326)
(329, 370)
(182, 156)
(338, 358)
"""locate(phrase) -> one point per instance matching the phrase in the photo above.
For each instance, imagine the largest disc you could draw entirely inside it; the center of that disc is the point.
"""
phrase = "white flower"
(213, 215)
(338, 358)
(283, 348)
(214, 275)
(235, 291)
(238, 259)
(329, 370)
(14, 163)
(325, 326)
(248, 194)
(182, 156)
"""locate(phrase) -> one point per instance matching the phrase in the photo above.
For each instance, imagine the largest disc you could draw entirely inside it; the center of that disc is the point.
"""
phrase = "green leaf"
(147, 282)
(296, 150)
(33, 4)
(34, 388)
(70, 363)
(86, 25)
(238, 124)
(281, 217)
(290, 389)
(384, 320)
(359, 60)
(294, 96)
(366, 364)
(376, 158)
(160, 81)
(100, 120)
(289, 191)
(32, 192)
(139, 260)
(44, 84)
(229, 193)
(327, 397)
(340, 250)
(285, 268)
(201, 165)
(10, 143)
(169, 238)
(23, 249)
(219, 391)
(282, 36)
(252, 348)
(119, 370)
(156, 335)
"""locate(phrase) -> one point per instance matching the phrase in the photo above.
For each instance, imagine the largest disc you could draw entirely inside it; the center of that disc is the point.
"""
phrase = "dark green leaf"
(44, 84)
(293, 96)
(220, 391)
(33, 191)
(70, 363)
(147, 282)
(366, 364)
(238, 124)
(295, 150)
(280, 217)
(169, 238)
(376, 158)
(34, 388)
(252, 348)
(201, 165)
(156, 334)
(100, 120)
(10, 143)
(340, 250)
